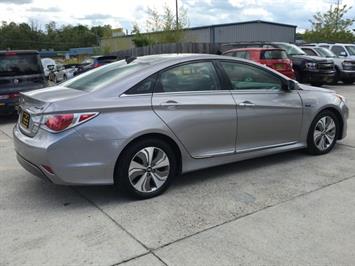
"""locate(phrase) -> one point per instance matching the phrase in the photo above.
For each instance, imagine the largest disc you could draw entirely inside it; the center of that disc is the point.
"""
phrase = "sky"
(122, 13)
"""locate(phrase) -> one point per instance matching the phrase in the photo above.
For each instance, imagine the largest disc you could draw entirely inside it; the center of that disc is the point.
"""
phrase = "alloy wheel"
(149, 169)
(324, 133)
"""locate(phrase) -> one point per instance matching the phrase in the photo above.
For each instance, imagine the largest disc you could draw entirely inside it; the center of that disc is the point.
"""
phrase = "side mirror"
(290, 85)
(343, 54)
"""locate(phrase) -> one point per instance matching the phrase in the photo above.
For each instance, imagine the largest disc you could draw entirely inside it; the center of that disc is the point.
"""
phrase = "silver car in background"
(140, 122)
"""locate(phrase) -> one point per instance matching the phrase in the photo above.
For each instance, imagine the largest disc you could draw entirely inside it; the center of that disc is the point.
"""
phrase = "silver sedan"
(140, 122)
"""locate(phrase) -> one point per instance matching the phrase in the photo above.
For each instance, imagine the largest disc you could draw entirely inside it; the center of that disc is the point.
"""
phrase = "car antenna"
(130, 59)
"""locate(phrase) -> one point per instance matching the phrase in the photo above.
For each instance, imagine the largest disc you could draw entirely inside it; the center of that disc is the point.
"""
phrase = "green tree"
(331, 26)
(162, 27)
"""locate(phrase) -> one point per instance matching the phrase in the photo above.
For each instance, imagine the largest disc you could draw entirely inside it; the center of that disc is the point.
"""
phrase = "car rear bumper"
(72, 159)
(288, 73)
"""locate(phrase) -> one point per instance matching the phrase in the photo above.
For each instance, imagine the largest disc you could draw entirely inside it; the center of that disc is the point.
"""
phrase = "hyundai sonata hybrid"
(138, 123)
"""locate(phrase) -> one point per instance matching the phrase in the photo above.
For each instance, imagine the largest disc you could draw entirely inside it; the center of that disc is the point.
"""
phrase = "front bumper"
(73, 159)
(8, 107)
(320, 77)
(346, 74)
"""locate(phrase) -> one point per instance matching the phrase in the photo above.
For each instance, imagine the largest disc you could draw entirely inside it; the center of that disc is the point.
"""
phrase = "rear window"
(273, 54)
(19, 64)
(101, 77)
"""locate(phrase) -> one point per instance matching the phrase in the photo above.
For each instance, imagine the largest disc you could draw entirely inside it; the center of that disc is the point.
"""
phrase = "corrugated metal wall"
(239, 32)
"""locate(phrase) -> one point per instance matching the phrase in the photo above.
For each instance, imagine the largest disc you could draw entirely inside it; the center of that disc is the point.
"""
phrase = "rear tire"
(146, 168)
(348, 81)
(323, 133)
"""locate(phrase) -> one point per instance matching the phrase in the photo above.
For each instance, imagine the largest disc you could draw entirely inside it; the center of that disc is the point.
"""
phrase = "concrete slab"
(316, 229)
(207, 198)
(146, 260)
(43, 224)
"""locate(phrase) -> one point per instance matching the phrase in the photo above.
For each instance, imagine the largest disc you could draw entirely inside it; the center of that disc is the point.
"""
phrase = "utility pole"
(177, 14)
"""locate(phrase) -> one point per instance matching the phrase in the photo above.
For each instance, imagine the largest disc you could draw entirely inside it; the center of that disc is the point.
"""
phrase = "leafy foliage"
(30, 36)
(331, 26)
(161, 27)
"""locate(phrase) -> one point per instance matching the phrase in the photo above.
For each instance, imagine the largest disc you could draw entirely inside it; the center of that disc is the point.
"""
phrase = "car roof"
(19, 51)
(254, 49)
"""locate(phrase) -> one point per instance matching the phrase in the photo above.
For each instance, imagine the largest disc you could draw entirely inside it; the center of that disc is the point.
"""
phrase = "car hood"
(311, 88)
(54, 94)
(315, 59)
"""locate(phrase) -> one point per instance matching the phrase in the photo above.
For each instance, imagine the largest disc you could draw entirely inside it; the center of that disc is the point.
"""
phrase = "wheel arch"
(339, 117)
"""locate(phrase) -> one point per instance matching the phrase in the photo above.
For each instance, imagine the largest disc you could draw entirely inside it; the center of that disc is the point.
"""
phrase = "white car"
(344, 50)
(54, 71)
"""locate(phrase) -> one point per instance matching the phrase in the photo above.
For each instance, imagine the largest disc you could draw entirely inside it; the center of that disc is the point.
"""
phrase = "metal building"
(257, 30)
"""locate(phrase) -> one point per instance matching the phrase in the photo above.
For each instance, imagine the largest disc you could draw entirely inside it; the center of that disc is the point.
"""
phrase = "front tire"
(146, 168)
(323, 133)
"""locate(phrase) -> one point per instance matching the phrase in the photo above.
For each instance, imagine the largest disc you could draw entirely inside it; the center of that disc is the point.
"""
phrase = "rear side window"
(273, 54)
(337, 50)
(190, 77)
(242, 54)
(19, 64)
(246, 77)
(101, 77)
(145, 86)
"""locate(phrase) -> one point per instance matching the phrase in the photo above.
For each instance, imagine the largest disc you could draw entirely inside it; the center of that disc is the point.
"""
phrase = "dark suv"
(20, 71)
(308, 69)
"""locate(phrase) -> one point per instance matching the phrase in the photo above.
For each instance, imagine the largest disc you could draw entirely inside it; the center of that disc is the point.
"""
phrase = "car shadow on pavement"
(109, 194)
(10, 119)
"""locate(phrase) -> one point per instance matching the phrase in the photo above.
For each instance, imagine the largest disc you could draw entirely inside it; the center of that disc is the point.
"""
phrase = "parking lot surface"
(290, 208)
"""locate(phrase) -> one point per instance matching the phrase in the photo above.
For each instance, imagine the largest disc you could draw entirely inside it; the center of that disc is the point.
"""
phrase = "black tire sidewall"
(311, 146)
(122, 181)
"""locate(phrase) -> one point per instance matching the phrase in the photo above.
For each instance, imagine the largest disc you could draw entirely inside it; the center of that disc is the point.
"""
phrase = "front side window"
(246, 77)
(351, 49)
(190, 77)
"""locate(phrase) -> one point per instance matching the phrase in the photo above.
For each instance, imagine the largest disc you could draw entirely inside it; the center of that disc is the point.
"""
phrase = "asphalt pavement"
(290, 208)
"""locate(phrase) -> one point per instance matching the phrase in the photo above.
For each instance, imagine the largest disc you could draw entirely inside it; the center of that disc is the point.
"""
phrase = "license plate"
(25, 120)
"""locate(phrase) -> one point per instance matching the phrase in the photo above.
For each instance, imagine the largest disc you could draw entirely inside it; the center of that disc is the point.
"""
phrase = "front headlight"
(311, 66)
(341, 97)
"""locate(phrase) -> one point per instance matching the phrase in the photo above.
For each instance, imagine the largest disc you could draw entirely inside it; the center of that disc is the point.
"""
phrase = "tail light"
(9, 96)
(59, 122)
(97, 65)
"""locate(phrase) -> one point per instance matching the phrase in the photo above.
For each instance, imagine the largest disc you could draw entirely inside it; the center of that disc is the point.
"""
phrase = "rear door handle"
(169, 103)
(246, 104)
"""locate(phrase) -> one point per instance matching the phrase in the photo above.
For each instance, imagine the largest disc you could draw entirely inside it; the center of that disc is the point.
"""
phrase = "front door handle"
(169, 103)
(246, 104)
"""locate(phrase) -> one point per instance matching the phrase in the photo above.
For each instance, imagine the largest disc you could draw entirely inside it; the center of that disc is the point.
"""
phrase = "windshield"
(291, 49)
(19, 64)
(351, 49)
(101, 77)
(325, 52)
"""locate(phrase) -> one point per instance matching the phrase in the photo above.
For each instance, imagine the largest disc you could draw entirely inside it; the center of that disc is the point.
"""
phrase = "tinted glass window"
(189, 77)
(273, 54)
(290, 49)
(101, 77)
(245, 77)
(309, 51)
(337, 50)
(242, 54)
(13, 65)
(325, 52)
(143, 87)
(351, 49)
